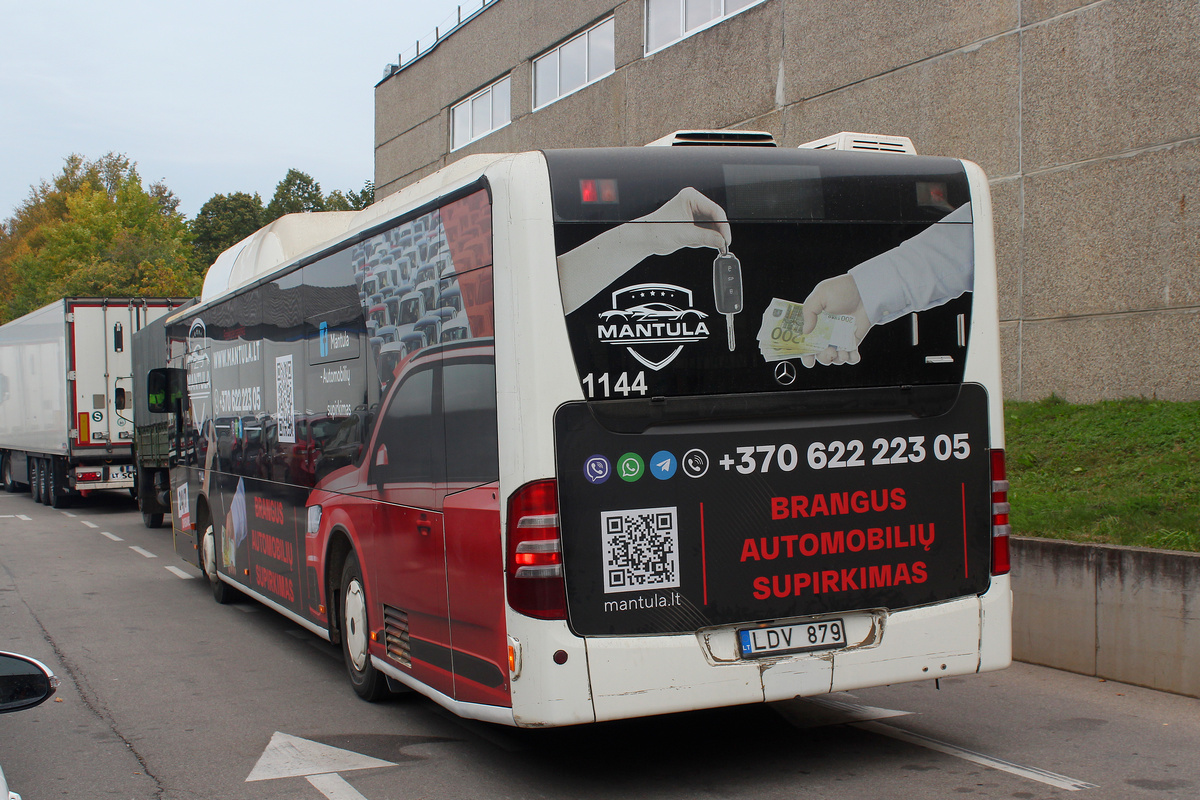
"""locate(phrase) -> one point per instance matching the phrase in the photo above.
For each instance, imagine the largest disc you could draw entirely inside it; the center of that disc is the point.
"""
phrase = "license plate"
(825, 634)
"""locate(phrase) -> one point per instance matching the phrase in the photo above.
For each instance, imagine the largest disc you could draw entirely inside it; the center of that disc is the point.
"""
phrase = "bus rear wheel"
(368, 682)
(222, 592)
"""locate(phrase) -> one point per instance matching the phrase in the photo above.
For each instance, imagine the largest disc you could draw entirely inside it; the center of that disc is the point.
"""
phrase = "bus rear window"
(718, 272)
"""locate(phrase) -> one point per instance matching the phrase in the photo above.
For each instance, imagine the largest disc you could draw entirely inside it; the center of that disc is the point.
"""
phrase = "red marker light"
(603, 190)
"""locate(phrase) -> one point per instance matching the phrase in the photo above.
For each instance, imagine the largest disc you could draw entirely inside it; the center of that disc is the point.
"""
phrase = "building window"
(668, 21)
(480, 114)
(574, 64)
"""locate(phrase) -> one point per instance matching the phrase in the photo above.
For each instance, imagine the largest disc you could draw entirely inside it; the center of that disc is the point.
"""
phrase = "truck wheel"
(60, 496)
(222, 592)
(368, 682)
(35, 479)
(10, 485)
(46, 473)
(152, 520)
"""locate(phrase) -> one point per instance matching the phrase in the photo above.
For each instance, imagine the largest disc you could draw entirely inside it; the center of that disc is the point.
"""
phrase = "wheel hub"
(356, 625)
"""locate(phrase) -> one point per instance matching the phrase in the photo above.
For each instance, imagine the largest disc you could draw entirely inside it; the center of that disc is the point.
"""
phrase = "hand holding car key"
(727, 290)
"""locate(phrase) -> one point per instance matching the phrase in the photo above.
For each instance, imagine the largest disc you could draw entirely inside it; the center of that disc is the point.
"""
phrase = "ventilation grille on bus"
(877, 142)
(395, 632)
(742, 138)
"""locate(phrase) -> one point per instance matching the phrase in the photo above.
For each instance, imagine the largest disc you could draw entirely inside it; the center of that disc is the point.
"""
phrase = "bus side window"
(407, 431)
(469, 392)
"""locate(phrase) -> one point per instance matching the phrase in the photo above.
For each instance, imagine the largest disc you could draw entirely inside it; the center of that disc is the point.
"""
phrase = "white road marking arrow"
(334, 787)
(292, 757)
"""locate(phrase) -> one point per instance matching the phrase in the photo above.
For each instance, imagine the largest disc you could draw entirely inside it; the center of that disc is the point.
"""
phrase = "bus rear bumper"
(639, 676)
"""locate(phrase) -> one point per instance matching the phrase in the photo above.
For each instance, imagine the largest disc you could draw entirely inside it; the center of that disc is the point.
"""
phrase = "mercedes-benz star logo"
(785, 373)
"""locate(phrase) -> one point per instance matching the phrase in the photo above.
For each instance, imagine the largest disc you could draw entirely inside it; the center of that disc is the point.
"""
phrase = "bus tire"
(152, 520)
(222, 592)
(368, 682)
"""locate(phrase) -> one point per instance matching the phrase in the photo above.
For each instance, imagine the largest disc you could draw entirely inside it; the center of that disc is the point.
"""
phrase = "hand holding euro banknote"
(782, 335)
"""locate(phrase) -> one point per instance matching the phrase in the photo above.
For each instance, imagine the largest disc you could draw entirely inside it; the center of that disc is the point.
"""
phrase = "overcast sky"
(211, 97)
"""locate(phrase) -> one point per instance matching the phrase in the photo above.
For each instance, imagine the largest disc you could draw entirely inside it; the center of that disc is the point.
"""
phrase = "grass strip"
(1121, 472)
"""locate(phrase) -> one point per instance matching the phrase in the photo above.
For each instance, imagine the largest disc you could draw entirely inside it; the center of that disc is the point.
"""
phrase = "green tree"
(97, 231)
(297, 192)
(25, 230)
(351, 200)
(223, 221)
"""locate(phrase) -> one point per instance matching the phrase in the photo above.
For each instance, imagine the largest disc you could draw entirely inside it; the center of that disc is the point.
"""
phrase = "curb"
(1127, 614)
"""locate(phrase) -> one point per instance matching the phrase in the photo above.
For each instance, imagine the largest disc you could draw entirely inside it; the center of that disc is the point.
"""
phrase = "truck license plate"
(825, 634)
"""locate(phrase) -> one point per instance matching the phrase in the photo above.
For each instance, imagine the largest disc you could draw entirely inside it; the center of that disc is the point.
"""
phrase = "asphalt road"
(168, 695)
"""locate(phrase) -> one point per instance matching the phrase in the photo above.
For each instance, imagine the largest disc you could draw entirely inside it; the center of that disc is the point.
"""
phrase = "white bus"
(676, 428)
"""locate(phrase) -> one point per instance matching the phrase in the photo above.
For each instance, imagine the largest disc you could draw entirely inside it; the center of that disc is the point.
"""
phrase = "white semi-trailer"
(66, 396)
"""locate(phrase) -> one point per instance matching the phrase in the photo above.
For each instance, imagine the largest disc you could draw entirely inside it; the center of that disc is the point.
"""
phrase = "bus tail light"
(1001, 529)
(535, 571)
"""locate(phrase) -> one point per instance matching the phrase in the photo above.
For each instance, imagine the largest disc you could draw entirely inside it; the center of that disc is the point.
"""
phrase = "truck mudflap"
(681, 527)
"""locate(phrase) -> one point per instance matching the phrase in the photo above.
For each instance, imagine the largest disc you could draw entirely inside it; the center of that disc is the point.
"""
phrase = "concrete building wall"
(1085, 115)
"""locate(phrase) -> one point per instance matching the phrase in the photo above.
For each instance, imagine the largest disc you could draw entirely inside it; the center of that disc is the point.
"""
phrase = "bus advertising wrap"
(712, 303)
(672, 531)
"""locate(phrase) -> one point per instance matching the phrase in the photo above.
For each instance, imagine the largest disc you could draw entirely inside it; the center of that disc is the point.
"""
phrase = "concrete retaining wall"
(1123, 613)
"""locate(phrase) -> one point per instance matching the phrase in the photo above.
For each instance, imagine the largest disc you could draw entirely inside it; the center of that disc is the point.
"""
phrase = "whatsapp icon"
(630, 467)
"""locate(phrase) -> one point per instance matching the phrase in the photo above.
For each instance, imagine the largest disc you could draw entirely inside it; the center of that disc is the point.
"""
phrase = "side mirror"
(156, 391)
(24, 682)
(165, 390)
(119, 399)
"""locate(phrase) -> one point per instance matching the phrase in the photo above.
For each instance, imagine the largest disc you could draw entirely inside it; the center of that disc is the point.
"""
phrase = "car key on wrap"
(727, 290)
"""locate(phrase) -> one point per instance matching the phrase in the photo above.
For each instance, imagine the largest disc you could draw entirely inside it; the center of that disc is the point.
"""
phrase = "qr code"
(641, 549)
(285, 391)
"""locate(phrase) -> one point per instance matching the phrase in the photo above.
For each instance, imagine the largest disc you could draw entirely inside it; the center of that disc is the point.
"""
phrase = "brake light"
(1001, 529)
(535, 571)
(87, 476)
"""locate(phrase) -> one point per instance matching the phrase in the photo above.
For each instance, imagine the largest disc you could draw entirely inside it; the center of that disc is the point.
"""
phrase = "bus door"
(409, 562)
(472, 518)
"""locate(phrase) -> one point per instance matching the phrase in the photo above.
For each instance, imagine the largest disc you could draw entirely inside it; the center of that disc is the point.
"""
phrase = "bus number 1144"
(602, 386)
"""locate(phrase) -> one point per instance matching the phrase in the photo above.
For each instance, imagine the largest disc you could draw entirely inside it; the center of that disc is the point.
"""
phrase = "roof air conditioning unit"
(876, 142)
(693, 138)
